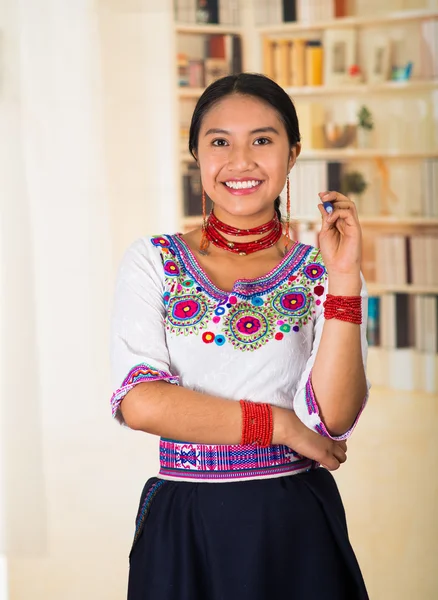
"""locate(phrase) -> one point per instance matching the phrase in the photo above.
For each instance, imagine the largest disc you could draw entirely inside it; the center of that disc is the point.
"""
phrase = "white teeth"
(239, 185)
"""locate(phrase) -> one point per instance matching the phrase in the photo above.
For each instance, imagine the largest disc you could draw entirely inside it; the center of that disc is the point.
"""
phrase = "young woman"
(245, 353)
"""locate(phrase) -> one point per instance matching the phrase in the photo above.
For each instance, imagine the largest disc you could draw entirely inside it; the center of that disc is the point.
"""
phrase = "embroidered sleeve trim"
(138, 374)
(313, 409)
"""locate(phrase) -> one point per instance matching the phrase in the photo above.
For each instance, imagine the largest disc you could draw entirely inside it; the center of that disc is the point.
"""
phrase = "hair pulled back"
(246, 84)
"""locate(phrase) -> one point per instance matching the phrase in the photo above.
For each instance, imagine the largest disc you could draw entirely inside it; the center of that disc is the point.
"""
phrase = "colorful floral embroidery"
(314, 271)
(294, 303)
(189, 313)
(248, 328)
(162, 241)
(171, 268)
(208, 337)
(313, 409)
(270, 307)
(138, 374)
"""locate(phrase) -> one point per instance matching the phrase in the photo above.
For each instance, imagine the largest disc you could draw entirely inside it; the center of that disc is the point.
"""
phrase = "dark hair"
(247, 84)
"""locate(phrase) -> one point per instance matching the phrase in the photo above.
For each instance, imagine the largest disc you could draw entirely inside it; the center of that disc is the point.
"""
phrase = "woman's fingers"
(339, 453)
(342, 213)
(342, 444)
(334, 455)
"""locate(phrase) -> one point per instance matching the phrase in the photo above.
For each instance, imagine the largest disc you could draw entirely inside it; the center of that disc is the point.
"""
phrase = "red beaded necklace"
(213, 229)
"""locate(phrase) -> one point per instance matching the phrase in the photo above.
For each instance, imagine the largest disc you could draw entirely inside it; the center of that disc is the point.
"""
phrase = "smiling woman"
(245, 353)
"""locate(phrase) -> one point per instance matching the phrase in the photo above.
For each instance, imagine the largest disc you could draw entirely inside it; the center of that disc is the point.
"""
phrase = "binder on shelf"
(196, 73)
(289, 11)
(235, 54)
(192, 192)
(373, 322)
(269, 58)
(340, 8)
(313, 62)
(297, 62)
(282, 62)
(207, 11)
(228, 48)
(334, 175)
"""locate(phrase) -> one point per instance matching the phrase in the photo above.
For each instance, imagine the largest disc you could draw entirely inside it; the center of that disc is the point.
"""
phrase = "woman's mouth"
(243, 186)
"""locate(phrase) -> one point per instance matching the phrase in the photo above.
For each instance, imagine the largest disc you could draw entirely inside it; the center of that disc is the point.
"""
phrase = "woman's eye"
(219, 142)
(262, 141)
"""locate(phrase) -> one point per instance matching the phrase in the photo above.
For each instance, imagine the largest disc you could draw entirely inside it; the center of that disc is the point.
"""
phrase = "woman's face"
(244, 157)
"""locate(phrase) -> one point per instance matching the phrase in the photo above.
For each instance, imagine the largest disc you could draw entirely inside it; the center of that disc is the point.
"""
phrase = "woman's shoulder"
(148, 253)
(151, 245)
(309, 260)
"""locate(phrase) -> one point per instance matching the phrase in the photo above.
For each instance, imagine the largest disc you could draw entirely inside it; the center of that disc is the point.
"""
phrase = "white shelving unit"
(388, 87)
(393, 18)
(197, 29)
(377, 289)
(252, 44)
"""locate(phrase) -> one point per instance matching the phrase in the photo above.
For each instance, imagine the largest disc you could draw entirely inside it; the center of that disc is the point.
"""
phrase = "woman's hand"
(340, 238)
(308, 443)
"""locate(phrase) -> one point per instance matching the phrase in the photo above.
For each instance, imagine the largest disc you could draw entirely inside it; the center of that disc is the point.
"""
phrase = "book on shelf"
(402, 334)
(402, 260)
(311, 11)
(222, 56)
(307, 179)
(275, 12)
(205, 12)
(192, 192)
(289, 10)
(429, 187)
(293, 62)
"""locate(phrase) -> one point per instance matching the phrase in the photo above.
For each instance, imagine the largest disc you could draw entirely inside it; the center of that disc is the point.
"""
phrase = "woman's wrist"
(286, 424)
(344, 285)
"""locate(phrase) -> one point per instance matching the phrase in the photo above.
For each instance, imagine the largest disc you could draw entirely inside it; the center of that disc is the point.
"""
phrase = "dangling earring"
(203, 246)
(288, 238)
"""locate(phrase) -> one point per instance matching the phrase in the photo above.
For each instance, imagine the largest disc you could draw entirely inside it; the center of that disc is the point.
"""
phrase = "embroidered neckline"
(242, 287)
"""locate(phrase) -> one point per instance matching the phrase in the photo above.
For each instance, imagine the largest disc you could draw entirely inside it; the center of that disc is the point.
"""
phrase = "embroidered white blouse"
(258, 342)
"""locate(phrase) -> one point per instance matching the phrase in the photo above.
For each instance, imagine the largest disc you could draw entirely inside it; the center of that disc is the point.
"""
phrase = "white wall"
(94, 170)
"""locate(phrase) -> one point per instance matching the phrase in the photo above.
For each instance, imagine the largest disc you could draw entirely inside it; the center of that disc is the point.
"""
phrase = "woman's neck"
(243, 222)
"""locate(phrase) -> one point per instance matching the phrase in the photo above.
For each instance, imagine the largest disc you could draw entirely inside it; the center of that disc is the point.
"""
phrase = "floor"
(390, 489)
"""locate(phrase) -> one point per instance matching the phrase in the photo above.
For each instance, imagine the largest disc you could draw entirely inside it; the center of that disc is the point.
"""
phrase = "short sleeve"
(305, 403)
(138, 343)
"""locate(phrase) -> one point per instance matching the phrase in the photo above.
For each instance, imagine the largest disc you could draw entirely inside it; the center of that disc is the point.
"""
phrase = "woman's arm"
(338, 376)
(178, 413)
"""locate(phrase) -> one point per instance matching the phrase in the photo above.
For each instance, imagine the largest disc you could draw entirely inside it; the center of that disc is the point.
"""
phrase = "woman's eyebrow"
(215, 131)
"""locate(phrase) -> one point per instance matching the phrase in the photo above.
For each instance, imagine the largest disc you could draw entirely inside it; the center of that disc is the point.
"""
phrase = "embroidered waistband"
(202, 462)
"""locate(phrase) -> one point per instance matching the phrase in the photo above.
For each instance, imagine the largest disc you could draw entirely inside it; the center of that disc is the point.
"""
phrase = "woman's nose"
(240, 158)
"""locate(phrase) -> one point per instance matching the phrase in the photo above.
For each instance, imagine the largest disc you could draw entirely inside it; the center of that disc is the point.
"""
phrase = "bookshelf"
(201, 29)
(400, 165)
(388, 87)
(392, 18)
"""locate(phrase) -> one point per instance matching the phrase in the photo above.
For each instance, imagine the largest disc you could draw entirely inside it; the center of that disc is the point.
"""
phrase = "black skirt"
(270, 539)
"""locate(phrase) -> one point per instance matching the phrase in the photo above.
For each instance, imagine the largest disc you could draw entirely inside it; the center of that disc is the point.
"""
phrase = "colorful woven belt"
(205, 462)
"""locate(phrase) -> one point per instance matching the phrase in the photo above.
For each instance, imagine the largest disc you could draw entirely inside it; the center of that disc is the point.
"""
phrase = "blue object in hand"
(328, 206)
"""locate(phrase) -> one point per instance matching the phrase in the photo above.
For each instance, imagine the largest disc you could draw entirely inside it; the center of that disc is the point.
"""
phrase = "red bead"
(343, 308)
(257, 423)
(213, 227)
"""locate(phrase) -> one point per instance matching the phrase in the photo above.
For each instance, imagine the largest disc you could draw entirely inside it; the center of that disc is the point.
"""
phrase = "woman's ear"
(294, 154)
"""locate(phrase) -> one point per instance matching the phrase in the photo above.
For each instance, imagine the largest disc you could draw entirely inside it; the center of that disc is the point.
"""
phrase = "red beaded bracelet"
(343, 308)
(257, 423)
